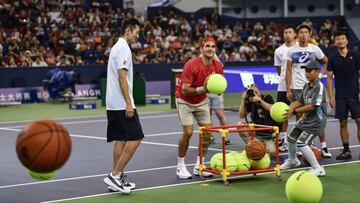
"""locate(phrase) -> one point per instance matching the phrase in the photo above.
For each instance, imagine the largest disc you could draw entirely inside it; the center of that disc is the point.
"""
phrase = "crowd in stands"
(36, 33)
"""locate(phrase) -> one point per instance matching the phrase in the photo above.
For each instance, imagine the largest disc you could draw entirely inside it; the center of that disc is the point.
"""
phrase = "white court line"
(101, 120)
(80, 117)
(191, 183)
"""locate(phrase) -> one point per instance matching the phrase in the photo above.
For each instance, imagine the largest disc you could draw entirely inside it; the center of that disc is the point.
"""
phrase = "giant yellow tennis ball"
(303, 187)
(263, 163)
(242, 161)
(278, 110)
(41, 176)
(216, 84)
(216, 162)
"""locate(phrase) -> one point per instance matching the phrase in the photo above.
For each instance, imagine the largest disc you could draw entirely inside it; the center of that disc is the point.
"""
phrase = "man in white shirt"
(280, 58)
(123, 122)
(299, 55)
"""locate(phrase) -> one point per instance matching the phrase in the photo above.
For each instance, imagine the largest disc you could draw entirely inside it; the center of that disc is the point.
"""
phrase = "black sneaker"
(325, 153)
(345, 155)
(125, 182)
(117, 183)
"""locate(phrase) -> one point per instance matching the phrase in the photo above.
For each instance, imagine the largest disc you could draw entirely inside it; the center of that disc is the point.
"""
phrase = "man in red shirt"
(192, 102)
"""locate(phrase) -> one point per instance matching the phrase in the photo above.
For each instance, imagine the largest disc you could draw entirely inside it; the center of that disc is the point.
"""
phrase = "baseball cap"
(311, 65)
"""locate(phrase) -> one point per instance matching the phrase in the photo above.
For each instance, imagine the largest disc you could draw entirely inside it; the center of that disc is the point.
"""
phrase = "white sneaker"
(325, 153)
(183, 173)
(117, 183)
(287, 164)
(318, 171)
(196, 172)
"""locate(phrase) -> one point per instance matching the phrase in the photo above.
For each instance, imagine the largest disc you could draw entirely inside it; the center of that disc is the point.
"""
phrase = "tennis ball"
(216, 162)
(303, 187)
(41, 176)
(216, 84)
(242, 161)
(263, 163)
(278, 110)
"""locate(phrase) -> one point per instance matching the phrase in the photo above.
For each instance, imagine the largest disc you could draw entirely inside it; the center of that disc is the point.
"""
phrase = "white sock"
(323, 145)
(309, 155)
(114, 176)
(292, 151)
(181, 161)
(198, 161)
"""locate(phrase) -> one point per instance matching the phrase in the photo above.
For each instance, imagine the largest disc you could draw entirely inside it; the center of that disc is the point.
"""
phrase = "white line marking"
(80, 117)
(101, 120)
(190, 183)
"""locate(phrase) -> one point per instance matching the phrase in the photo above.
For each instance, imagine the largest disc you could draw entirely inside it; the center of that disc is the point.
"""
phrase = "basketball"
(316, 153)
(43, 146)
(216, 84)
(278, 110)
(303, 187)
(255, 149)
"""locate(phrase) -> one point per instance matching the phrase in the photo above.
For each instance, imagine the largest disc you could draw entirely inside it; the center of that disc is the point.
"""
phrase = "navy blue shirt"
(345, 70)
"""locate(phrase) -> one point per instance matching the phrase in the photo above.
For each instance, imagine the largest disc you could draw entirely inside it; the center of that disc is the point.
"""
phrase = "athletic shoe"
(212, 139)
(183, 173)
(283, 146)
(117, 183)
(318, 171)
(345, 155)
(325, 153)
(287, 164)
(196, 172)
(228, 141)
(126, 183)
(299, 153)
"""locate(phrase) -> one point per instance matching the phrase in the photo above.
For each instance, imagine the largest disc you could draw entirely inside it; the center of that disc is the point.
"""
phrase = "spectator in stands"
(39, 62)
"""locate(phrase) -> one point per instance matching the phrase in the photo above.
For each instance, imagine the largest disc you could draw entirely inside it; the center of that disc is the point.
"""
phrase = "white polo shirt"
(301, 56)
(280, 59)
(120, 58)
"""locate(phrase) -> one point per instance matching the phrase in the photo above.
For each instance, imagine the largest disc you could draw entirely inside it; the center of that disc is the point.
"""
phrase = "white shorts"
(187, 111)
(216, 101)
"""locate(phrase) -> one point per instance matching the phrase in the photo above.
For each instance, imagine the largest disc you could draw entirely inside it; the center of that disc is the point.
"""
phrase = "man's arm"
(125, 92)
(187, 90)
(278, 68)
(242, 109)
(329, 87)
(324, 60)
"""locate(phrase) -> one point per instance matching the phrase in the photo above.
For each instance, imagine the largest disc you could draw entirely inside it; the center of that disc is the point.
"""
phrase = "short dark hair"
(289, 26)
(339, 33)
(301, 26)
(129, 23)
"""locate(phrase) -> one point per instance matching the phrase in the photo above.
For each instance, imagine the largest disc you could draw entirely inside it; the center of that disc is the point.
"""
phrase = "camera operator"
(257, 106)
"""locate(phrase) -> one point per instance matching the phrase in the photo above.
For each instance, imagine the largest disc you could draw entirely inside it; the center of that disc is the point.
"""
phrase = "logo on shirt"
(124, 62)
(304, 57)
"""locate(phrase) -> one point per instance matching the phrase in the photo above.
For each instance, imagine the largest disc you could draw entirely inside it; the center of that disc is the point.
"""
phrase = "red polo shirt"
(195, 72)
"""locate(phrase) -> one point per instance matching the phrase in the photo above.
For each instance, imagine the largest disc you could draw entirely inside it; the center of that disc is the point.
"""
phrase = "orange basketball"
(255, 149)
(43, 146)
(316, 153)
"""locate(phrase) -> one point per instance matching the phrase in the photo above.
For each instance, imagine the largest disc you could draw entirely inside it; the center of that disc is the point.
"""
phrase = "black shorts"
(281, 97)
(121, 128)
(344, 106)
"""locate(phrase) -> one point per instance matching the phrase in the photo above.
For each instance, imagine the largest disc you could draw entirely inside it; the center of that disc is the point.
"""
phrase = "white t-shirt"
(120, 58)
(280, 58)
(301, 56)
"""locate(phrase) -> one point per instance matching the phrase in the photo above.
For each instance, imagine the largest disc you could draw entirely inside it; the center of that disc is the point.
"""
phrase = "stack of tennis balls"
(216, 162)
(242, 161)
(216, 84)
(263, 163)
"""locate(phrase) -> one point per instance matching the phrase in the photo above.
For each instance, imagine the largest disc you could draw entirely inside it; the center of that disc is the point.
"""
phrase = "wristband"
(200, 90)
(294, 111)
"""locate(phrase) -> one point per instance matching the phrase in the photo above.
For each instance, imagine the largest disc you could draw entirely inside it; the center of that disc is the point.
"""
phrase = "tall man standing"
(123, 122)
(280, 59)
(192, 102)
(345, 66)
(299, 55)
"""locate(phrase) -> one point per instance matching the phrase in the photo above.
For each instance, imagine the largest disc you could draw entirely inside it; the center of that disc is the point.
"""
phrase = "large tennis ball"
(263, 163)
(278, 110)
(41, 176)
(303, 187)
(242, 161)
(216, 162)
(216, 84)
